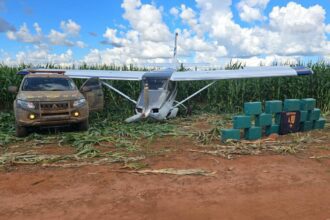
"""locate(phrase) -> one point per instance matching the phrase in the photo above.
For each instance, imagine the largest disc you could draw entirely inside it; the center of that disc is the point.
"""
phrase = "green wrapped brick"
(306, 126)
(263, 120)
(252, 108)
(278, 118)
(272, 129)
(309, 115)
(291, 105)
(307, 104)
(233, 134)
(319, 124)
(242, 121)
(273, 106)
(315, 114)
(253, 133)
(303, 116)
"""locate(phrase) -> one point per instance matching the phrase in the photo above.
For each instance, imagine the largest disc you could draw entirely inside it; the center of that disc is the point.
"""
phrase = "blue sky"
(84, 27)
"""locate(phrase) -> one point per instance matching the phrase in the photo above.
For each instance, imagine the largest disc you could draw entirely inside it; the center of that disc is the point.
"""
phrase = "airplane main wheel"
(189, 110)
(21, 131)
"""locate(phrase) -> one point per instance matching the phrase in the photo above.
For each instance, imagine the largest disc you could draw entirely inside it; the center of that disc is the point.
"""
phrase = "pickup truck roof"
(52, 75)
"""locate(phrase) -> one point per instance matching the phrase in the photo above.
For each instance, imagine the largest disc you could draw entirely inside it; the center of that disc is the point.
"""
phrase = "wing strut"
(119, 92)
(199, 91)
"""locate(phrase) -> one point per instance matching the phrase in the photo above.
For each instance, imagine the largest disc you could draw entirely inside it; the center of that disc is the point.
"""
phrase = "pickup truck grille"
(54, 106)
(54, 110)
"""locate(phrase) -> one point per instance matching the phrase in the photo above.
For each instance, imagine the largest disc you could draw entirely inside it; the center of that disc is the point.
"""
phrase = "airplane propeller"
(146, 110)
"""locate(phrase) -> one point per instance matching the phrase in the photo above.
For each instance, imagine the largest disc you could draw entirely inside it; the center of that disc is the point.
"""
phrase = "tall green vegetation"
(224, 96)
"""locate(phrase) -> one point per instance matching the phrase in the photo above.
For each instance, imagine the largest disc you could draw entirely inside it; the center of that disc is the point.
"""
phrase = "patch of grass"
(104, 132)
(7, 129)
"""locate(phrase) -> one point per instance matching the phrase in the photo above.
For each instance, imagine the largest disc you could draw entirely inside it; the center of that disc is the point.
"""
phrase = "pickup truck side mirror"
(13, 89)
(86, 89)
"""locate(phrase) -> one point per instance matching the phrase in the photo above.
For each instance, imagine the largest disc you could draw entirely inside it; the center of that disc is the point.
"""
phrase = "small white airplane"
(157, 99)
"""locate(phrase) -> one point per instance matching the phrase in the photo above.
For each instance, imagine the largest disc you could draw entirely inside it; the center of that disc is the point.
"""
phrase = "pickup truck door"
(92, 90)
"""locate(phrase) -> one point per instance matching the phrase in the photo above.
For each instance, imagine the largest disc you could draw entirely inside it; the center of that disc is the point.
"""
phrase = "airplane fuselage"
(157, 96)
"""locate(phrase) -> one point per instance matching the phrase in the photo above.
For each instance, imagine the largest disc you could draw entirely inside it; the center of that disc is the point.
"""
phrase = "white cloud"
(174, 11)
(41, 55)
(268, 60)
(24, 35)
(147, 20)
(70, 30)
(59, 38)
(210, 33)
(70, 27)
(149, 39)
(80, 44)
(300, 30)
(290, 27)
(111, 36)
(252, 10)
(188, 15)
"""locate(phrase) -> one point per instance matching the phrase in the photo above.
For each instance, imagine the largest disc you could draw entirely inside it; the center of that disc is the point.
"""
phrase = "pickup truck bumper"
(51, 118)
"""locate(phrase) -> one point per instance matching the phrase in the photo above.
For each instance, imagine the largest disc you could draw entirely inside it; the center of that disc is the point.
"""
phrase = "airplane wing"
(85, 74)
(249, 72)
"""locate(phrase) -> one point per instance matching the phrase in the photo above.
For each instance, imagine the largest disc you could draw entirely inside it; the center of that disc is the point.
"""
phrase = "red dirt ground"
(249, 187)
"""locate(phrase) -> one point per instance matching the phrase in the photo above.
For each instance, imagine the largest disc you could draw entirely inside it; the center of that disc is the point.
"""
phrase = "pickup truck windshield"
(48, 84)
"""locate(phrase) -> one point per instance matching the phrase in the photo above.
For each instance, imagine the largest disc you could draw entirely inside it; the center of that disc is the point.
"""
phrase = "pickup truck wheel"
(83, 126)
(21, 131)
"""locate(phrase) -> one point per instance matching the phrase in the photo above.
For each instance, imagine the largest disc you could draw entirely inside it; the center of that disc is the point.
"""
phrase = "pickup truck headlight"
(25, 104)
(79, 103)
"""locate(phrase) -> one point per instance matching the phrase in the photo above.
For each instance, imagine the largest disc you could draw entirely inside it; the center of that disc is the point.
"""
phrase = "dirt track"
(250, 187)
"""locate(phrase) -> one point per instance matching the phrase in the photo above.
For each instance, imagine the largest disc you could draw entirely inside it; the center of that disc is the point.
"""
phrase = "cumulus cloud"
(287, 32)
(174, 11)
(42, 55)
(59, 38)
(70, 30)
(149, 39)
(111, 38)
(147, 20)
(268, 60)
(252, 10)
(299, 30)
(327, 28)
(209, 33)
(23, 34)
(70, 27)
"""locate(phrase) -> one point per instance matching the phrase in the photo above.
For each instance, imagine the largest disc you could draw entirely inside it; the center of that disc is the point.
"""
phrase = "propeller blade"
(134, 118)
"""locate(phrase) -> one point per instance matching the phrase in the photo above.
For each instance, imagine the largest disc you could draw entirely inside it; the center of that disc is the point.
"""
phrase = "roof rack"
(27, 71)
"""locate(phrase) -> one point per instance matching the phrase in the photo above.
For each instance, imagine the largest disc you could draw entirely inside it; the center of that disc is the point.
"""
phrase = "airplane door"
(92, 90)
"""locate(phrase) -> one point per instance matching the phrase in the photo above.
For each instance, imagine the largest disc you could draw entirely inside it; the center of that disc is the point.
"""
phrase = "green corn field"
(224, 96)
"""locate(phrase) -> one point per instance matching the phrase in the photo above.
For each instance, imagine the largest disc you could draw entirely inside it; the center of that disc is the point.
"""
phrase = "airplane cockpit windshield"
(155, 83)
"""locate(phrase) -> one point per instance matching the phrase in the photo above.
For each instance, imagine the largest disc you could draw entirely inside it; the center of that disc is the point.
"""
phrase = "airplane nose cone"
(146, 113)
